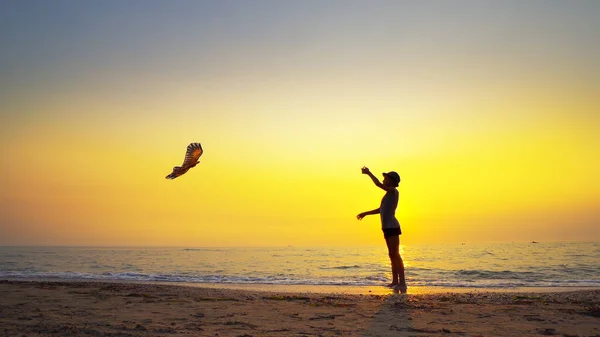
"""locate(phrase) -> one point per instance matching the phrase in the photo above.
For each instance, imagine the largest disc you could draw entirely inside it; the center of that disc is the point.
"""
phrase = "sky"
(488, 110)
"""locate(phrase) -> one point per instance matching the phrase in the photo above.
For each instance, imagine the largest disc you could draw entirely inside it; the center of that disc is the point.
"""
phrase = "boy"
(389, 224)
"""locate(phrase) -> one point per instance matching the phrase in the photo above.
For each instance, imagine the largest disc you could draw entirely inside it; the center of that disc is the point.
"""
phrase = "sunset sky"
(489, 110)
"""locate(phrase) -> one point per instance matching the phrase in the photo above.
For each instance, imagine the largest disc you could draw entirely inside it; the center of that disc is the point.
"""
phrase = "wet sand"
(43, 308)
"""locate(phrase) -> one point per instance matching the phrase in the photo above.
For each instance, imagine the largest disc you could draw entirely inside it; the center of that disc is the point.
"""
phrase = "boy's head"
(392, 177)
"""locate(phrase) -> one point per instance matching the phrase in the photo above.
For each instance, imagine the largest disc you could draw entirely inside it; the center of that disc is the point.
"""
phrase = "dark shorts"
(389, 232)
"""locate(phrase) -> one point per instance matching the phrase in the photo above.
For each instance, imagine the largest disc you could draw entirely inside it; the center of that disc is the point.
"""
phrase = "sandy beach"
(124, 309)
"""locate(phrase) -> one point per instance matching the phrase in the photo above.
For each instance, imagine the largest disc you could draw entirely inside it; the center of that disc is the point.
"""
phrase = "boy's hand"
(360, 216)
(365, 170)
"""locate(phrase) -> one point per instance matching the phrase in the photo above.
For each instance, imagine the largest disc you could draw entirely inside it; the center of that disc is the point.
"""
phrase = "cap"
(393, 175)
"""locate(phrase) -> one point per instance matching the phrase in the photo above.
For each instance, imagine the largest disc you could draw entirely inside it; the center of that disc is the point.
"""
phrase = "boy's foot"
(392, 285)
(400, 289)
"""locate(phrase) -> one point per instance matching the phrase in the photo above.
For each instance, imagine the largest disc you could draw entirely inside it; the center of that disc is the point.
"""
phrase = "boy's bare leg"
(393, 244)
(398, 277)
(401, 277)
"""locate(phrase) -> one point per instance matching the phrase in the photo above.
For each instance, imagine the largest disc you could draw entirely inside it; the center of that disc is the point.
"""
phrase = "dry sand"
(124, 309)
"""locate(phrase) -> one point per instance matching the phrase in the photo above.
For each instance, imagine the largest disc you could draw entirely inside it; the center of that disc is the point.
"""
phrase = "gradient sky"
(489, 110)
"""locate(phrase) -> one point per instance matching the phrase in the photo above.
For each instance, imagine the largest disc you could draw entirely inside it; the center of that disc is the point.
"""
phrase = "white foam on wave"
(224, 279)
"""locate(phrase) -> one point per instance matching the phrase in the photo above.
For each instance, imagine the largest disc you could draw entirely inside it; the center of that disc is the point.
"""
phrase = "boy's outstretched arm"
(365, 170)
(363, 214)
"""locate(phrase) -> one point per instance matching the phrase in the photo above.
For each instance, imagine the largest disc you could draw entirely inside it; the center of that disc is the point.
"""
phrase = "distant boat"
(534, 242)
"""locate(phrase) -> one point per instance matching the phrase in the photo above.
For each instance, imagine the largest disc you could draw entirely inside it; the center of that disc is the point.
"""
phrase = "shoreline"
(100, 308)
(380, 290)
(321, 289)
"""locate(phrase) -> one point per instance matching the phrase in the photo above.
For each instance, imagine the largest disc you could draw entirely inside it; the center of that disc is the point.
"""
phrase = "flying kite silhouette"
(193, 153)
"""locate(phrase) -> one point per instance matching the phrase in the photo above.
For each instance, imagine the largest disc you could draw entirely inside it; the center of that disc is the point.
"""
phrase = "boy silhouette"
(389, 224)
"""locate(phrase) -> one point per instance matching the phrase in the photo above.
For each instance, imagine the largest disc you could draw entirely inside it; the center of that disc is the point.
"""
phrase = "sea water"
(482, 266)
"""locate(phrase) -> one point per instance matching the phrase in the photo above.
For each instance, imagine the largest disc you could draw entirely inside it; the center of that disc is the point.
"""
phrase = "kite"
(193, 153)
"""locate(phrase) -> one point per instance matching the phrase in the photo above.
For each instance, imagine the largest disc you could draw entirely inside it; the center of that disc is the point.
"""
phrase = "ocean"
(481, 266)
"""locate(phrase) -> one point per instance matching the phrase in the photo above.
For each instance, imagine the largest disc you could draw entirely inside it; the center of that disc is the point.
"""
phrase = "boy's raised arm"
(365, 170)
